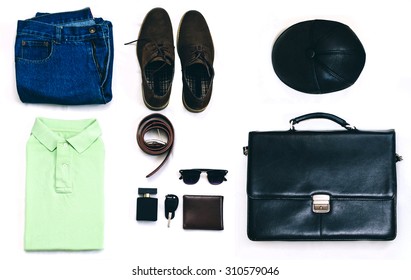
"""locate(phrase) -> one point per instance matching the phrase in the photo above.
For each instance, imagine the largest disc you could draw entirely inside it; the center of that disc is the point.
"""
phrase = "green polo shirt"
(64, 186)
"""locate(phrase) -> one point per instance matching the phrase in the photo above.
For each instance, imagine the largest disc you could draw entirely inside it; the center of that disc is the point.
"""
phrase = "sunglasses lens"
(216, 177)
(190, 177)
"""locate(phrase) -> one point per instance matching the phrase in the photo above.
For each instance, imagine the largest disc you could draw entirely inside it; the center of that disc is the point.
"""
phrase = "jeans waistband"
(64, 17)
(65, 26)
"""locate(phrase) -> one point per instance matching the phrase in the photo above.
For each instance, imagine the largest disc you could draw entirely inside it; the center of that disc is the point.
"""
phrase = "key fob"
(170, 205)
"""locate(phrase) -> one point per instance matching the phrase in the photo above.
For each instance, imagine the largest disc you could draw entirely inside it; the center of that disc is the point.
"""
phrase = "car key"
(170, 207)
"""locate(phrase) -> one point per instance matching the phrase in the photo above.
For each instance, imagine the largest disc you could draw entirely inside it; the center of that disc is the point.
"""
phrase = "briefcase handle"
(320, 115)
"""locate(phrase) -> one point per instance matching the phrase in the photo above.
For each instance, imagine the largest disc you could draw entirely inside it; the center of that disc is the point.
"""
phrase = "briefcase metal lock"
(321, 203)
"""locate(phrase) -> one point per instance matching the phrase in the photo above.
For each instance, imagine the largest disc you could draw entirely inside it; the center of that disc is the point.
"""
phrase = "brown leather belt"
(160, 123)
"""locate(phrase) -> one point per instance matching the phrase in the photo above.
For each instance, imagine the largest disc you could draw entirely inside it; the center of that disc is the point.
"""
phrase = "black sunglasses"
(214, 176)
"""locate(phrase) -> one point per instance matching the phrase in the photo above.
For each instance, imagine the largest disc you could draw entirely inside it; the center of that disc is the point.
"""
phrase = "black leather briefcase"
(321, 185)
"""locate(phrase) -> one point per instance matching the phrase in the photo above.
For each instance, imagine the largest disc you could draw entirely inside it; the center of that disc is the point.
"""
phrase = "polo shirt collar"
(80, 142)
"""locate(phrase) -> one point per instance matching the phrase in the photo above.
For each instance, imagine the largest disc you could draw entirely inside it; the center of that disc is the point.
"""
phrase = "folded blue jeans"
(64, 58)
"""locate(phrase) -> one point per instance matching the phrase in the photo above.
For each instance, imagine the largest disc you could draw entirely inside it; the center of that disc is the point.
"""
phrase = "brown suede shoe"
(155, 52)
(196, 50)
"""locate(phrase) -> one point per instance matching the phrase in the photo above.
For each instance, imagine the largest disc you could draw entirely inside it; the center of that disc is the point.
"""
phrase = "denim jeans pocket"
(35, 50)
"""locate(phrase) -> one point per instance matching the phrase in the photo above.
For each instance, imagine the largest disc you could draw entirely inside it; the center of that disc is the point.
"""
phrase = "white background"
(247, 96)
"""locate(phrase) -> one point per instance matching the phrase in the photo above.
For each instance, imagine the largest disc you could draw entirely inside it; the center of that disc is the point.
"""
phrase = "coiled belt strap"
(154, 147)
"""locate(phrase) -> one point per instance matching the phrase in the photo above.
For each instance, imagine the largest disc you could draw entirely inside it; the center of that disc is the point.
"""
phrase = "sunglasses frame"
(201, 170)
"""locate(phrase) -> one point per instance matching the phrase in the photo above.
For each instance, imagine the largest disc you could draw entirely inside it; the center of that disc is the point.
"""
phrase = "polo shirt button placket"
(63, 174)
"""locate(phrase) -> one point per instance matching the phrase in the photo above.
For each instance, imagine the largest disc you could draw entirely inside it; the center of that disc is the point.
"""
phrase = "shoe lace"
(199, 53)
(162, 50)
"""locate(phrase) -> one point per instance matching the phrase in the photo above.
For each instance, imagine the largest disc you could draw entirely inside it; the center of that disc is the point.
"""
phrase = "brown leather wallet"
(203, 212)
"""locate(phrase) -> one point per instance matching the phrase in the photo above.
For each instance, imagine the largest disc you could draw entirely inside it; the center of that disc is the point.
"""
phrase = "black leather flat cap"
(318, 56)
